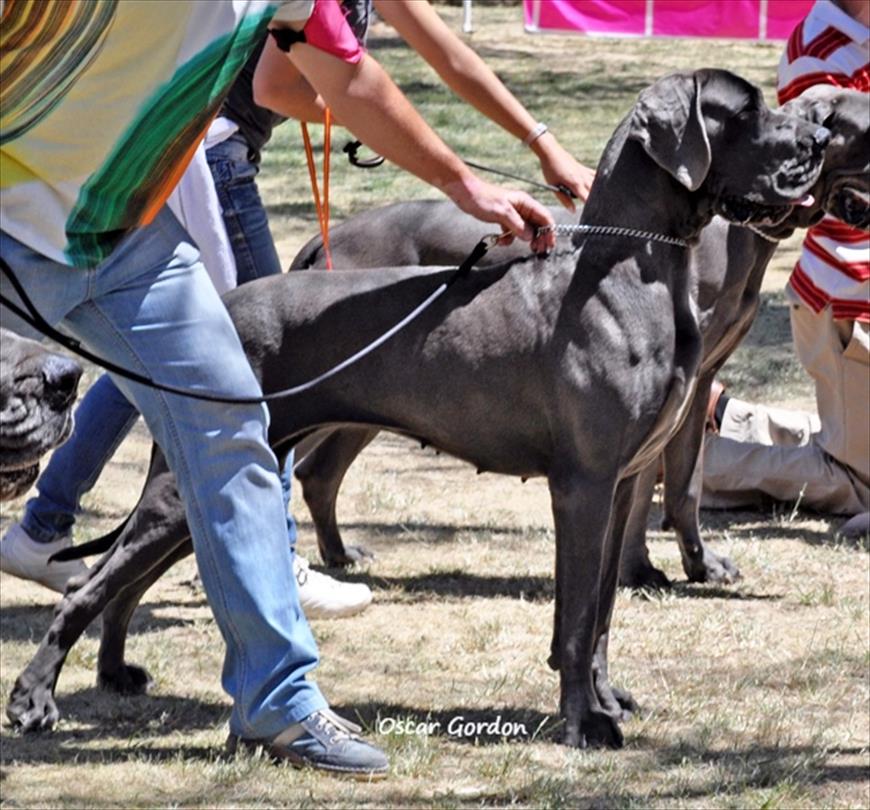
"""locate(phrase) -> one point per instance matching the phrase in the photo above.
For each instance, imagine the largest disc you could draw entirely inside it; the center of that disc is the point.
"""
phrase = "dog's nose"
(821, 138)
(61, 376)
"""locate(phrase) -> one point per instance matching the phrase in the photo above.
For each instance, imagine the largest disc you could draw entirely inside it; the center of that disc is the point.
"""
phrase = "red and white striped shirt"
(830, 47)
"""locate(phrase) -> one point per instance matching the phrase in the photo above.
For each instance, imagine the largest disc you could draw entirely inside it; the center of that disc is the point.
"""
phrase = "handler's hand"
(515, 211)
(559, 168)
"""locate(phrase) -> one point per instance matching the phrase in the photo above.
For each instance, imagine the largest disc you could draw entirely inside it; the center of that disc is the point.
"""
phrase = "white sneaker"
(323, 597)
(22, 556)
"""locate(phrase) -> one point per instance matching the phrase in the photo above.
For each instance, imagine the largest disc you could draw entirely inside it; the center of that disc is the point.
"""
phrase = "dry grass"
(752, 696)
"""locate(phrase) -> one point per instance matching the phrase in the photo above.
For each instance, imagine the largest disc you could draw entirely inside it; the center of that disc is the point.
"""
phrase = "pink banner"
(784, 15)
(619, 17)
(733, 19)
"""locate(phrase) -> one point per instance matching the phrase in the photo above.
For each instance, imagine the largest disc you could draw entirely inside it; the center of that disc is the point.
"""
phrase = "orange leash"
(321, 206)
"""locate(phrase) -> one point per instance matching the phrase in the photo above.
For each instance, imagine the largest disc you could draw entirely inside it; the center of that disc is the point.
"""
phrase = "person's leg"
(836, 354)
(748, 474)
(244, 215)
(151, 307)
(751, 422)
(102, 420)
(247, 226)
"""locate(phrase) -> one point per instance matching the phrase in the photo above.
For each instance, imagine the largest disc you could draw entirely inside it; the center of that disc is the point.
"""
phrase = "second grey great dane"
(577, 366)
(729, 263)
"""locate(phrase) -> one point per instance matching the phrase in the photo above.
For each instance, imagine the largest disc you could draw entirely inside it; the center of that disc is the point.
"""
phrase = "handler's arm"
(471, 79)
(365, 99)
(279, 86)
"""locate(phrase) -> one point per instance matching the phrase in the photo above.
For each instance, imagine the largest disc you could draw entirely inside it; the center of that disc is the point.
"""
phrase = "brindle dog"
(37, 390)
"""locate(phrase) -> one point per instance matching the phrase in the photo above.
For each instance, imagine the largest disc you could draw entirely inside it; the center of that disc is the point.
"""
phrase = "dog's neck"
(660, 204)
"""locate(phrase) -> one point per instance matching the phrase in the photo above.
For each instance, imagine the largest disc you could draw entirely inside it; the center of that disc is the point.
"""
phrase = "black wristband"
(285, 38)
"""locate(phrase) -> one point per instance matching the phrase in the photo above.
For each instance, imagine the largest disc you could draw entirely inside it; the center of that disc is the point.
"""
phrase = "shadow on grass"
(762, 765)
(30, 622)
(131, 723)
(774, 520)
(692, 590)
(460, 584)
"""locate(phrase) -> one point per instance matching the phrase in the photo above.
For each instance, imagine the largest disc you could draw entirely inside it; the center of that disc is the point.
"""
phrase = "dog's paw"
(32, 708)
(644, 577)
(626, 702)
(596, 730)
(714, 569)
(350, 556)
(128, 679)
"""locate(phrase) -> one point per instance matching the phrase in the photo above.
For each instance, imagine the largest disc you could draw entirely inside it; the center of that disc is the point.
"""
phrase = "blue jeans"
(235, 180)
(247, 224)
(104, 416)
(152, 308)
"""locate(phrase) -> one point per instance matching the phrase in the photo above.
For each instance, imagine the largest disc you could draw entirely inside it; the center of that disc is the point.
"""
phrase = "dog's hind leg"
(114, 674)
(683, 482)
(321, 473)
(581, 510)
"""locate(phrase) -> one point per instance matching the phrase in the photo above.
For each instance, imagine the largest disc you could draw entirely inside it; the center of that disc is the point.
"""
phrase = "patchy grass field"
(752, 696)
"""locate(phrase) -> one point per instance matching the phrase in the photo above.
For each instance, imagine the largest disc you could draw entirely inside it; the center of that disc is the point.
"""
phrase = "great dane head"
(713, 133)
(843, 189)
(37, 390)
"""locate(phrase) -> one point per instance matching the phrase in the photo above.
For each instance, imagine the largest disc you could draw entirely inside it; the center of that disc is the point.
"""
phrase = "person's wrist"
(545, 146)
(535, 133)
(461, 187)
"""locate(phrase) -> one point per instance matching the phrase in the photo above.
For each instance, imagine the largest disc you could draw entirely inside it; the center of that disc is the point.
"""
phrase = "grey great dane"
(577, 366)
(37, 390)
(729, 262)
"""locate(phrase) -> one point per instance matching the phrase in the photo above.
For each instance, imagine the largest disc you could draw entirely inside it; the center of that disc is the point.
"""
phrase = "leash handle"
(352, 147)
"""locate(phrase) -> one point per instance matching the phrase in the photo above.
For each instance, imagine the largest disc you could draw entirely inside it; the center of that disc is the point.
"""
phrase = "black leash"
(34, 318)
(352, 147)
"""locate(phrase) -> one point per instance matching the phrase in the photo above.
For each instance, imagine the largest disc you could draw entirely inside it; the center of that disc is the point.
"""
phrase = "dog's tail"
(310, 255)
(98, 546)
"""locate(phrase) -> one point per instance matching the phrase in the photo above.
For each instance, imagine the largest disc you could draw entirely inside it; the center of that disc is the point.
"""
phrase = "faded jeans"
(151, 307)
(104, 416)
(235, 181)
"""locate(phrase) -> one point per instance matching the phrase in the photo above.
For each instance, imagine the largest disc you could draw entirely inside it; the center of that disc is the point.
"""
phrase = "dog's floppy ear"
(667, 121)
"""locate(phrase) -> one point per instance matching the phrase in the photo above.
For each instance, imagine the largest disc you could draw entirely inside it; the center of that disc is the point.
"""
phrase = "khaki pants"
(763, 453)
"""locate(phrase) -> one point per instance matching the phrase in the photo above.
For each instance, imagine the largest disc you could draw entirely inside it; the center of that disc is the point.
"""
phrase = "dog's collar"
(614, 230)
(758, 232)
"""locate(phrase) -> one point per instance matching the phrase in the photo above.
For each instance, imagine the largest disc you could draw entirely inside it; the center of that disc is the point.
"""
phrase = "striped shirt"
(830, 47)
(102, 105)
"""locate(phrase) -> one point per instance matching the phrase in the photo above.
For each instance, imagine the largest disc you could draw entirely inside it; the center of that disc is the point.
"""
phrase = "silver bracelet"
(539, 129)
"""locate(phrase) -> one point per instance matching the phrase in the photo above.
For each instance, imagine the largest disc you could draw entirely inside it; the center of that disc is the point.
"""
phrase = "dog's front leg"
(581, 510)
(321, 472)
(635, 568)
(623, 522)
(684, 471)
